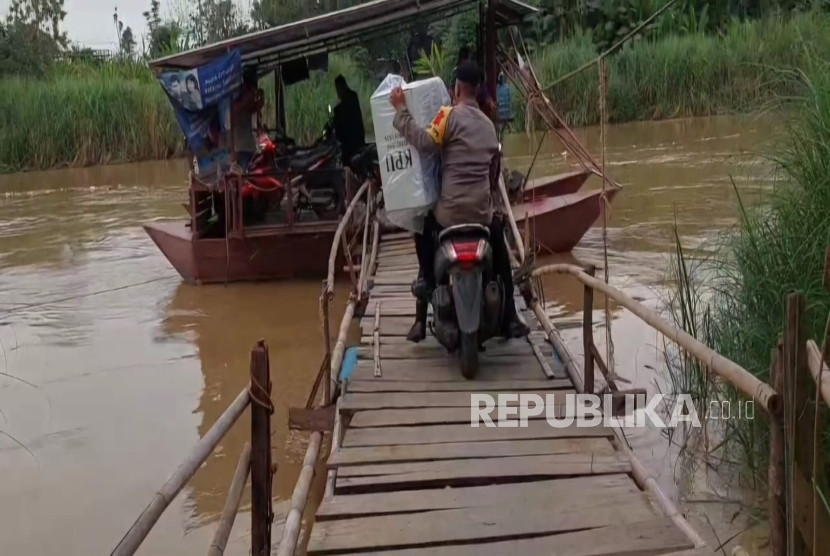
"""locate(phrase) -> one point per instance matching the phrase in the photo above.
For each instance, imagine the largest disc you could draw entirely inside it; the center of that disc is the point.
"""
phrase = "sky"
(89, 22)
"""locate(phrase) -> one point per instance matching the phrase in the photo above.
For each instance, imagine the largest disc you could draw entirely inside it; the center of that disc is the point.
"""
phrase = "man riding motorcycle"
(469, 150)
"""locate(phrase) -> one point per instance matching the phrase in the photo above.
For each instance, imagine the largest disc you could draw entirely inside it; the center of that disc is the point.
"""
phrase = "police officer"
(466, 139)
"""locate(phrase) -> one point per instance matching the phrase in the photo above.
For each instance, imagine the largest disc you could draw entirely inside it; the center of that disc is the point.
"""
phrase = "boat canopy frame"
(337, 30)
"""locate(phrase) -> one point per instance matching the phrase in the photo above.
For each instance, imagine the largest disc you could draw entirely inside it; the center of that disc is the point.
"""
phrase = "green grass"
(78, 121)
(84, 114)
(691, 75)
(777, 247)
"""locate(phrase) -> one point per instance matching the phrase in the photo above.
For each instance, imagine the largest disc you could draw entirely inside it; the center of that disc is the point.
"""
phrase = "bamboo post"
(520, 248)
(819, 370)
(331, 477)
(261, 410)
(808, 528)
(555, 339)
(347, 252)
(298, 500)
(817, 450)
(588, 332)
(364, 260)
(646, 482)
(324, 302)
(641, 476)
(777, 479)
(742, 379)
(220, 538)
(370, 268)
(337, 234)
(197, 456)
(376, 339)
(340, 345)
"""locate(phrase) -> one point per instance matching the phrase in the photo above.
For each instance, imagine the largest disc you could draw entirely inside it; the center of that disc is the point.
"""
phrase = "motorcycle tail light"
(467, 252)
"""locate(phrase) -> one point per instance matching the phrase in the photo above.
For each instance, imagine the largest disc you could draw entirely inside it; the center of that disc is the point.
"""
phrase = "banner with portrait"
(201, 99)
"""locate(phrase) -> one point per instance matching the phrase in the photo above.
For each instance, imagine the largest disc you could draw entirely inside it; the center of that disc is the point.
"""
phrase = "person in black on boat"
(348, 120)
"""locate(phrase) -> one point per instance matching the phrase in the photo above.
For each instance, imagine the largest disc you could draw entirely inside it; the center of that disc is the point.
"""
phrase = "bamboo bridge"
(406, 474)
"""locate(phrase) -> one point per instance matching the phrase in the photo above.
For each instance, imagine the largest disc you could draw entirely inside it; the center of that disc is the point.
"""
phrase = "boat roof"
(337, 30)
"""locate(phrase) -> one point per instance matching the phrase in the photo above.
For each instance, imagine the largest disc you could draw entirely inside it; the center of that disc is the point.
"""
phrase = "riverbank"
(104, 115)
(734, 298)
(739, 71)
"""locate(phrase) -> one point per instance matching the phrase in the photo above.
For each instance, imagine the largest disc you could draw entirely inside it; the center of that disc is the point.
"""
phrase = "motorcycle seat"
(303, 161)
(361, 162)
(475, 230)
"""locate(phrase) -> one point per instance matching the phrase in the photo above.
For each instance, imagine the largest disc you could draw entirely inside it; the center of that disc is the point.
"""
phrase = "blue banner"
(201, 99)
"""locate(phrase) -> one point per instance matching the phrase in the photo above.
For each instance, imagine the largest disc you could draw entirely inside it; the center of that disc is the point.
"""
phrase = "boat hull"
(552, 186)
(558, 223)
(268, 257)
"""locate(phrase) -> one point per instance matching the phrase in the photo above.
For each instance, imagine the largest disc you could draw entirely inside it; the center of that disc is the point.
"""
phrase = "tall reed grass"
(777, 247)
(78, 121)
(678, 76)
(90, 114)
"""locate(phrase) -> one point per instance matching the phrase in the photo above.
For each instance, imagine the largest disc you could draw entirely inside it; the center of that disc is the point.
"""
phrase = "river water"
(103, 394)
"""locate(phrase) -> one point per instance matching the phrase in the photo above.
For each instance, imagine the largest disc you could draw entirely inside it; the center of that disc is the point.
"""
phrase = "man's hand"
(397, 98)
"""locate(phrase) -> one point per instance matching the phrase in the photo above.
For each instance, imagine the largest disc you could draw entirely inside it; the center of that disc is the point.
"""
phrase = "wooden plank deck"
(414, 478)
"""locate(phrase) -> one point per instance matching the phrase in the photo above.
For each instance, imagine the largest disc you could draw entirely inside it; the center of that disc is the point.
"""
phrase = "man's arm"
(427, 140)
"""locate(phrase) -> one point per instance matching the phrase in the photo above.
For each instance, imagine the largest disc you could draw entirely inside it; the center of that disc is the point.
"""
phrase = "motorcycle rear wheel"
(468, 354)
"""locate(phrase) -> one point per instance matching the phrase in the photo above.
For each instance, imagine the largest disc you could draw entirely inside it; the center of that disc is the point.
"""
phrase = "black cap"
(468, 73)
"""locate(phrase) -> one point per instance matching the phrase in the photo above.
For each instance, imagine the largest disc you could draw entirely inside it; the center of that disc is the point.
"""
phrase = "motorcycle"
(468, 301)
(312, 190)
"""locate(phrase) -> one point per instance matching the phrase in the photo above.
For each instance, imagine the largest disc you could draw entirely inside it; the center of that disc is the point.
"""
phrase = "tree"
(215, 20)
(163, 37)
(270, 13)
(31, 37)
(126, 41)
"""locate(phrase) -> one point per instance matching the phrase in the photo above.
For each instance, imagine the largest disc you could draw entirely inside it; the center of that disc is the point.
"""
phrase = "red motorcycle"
(316, 186)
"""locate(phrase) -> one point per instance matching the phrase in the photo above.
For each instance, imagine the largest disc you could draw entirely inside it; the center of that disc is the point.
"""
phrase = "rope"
(81, 296)
(618, 44)
(267, 403)
(609, 344)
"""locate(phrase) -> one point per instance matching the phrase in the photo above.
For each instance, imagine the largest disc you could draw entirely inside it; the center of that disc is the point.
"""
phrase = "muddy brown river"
(103, 394)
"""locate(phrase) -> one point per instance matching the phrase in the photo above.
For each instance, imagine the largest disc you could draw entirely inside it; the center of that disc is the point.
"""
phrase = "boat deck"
(413, 477)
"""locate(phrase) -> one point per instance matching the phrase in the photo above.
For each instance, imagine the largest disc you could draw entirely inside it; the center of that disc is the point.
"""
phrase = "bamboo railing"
(256, 456)
(799, 522)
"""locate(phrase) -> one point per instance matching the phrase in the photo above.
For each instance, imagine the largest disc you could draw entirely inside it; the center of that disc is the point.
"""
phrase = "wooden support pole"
(647, 482)
(327, 391)
(739, 377)
(555, 339)
(197, 456)
(291, 533)
(338, 233)
(261, 475)
(819, 371)
(588, 332)
(331, 477)
(364, 260)
(514, 229)
(777, 478)
(376, 339)
(220, 538)
(641, 476)
(340, 345)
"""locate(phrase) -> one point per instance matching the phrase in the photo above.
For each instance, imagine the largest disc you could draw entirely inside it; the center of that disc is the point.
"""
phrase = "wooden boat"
(558, 184)
(558, 223)
(259, 255)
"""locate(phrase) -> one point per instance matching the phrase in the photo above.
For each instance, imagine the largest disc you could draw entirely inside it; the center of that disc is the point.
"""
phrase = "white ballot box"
(411, 180)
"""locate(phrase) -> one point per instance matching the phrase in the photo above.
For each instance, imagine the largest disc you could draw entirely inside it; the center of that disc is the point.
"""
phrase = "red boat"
(258, 255)
(558, 223)
(558, 184)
